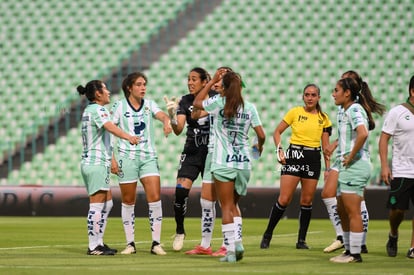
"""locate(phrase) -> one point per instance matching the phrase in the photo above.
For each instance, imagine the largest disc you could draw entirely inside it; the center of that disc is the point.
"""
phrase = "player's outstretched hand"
(172, 105)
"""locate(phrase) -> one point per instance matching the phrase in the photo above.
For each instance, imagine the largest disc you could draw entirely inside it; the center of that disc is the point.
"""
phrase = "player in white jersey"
(331, 179)
(399, 125)
(96, 160)
(352, 163)
(136, 115)
(231, 160)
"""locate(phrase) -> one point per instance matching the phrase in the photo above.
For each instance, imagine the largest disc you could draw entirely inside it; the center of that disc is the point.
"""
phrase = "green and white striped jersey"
(96, 140)
(231, 146)
(139, 123)
(348, 121)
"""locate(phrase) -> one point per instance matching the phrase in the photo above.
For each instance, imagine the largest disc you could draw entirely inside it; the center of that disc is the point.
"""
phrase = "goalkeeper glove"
(172, 108)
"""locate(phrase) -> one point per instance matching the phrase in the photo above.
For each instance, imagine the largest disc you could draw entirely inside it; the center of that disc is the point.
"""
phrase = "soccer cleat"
(239, 251)
(229, 258)
(157, 249)
(100, 251)
(301, 245)
(351, 258)
(410, 253)
(130, 249)
(199, 250)
(364, 249)
(342, 255)
(178, 242)
(220, 253)
(392, 246)
(106, 247)
(265, 243)
(337, 244)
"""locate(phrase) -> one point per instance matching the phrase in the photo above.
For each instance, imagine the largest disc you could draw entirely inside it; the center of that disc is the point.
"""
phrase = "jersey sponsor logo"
(238, 115)
(302, 118)
(200, 137)
(237, 158)
(139, 127)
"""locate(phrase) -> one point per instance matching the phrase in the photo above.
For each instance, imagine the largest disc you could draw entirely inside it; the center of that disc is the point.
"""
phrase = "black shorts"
(400, 193)
(191, 165)
(303, 162)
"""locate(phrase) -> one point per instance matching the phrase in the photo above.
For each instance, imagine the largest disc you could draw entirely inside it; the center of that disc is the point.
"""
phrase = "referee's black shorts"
(302, 161)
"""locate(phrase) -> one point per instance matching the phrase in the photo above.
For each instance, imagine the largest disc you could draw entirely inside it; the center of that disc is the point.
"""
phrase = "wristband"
(174, 122)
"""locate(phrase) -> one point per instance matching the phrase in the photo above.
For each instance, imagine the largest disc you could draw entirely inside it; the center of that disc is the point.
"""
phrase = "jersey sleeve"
(390, 122)
(357, 117)
(115, 114)
(154, 108)
(181, 107)
(101, 116)
(290, 116)
(327, 122)
(255, 117)
(211, 104)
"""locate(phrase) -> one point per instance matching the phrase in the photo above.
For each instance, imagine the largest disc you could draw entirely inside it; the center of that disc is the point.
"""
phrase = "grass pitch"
(57, 245)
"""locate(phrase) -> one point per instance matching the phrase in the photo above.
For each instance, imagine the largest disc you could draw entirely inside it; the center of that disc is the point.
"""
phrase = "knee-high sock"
(104, 216)
(275, 215)
(331, 206)
(228, 236)
(128, 221)
(180, 208)
(365, 221)
(238, 229)
(346, 238)
(94, 224)
(355, 241)
(208, 217)
(155, 219)
(304, 221)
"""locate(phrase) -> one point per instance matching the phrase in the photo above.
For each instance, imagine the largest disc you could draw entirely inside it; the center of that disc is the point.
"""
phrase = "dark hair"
(129, 81)
(363, 97)
(318, 106)
(411, 86)
(232, 86)
(204, 75)
(90, 89)
(374, 106)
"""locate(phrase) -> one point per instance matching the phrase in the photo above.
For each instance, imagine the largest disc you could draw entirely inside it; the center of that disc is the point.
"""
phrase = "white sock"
(208, 217)
(331, 206)
(365, 221)
(228, 236)
(128, 221)
(155, 220)
(105, 213)
(355, 242)
(94, 224)
(346, 240)
(238, 229)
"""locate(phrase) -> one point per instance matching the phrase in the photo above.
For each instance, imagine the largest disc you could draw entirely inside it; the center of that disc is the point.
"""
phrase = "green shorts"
(134, 169)
(207, 176)
(354, 178)
(95, 177)
(238, 176)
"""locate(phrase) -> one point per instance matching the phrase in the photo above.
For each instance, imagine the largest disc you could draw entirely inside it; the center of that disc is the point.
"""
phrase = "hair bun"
(81, 89)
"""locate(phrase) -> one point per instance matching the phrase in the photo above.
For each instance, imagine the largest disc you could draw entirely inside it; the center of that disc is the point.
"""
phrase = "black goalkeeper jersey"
(197, 129)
